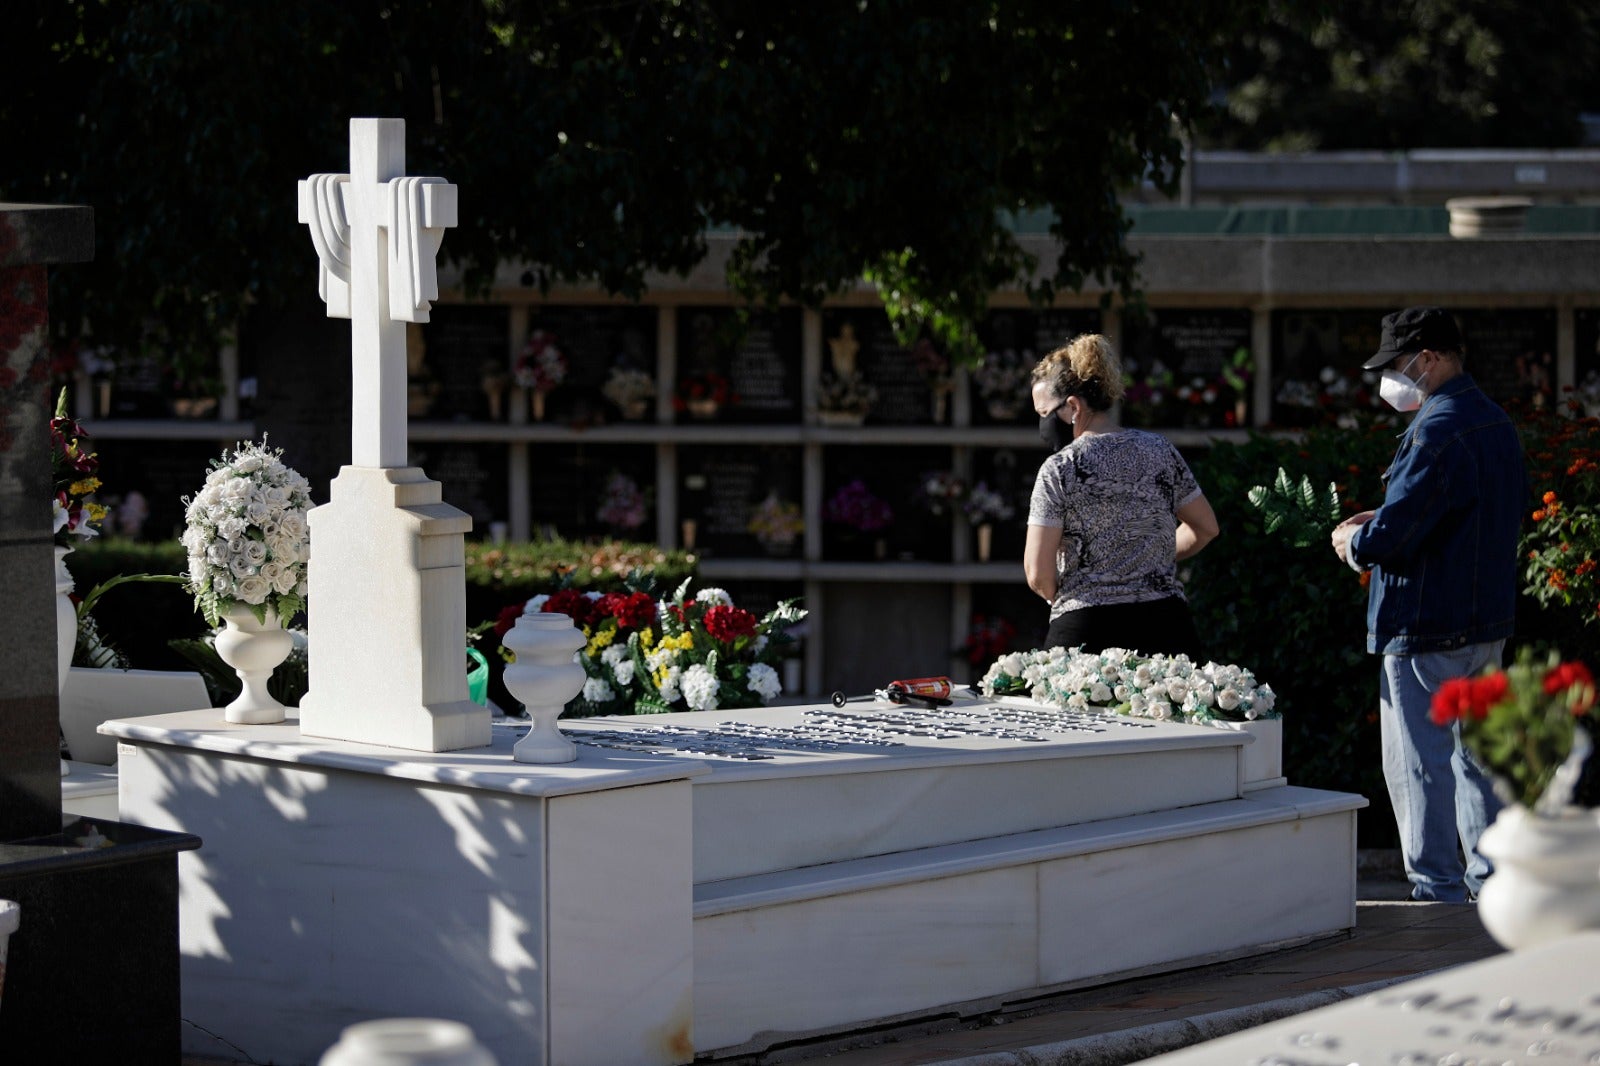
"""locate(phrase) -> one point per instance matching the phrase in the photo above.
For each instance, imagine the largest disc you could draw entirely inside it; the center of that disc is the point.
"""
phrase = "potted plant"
(1533, 727)
(1003, 380)
(984, 507)
(776, 524)
(248, 542)
(702, 395)
(844, 399)
(856, 508)
(539, 368)
(622, 505)
(630, 391)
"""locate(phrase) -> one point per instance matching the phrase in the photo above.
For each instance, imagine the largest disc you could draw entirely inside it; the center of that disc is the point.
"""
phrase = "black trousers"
(1155, 627)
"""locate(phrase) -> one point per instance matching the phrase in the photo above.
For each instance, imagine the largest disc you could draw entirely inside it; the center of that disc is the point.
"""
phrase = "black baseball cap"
(1413, 330)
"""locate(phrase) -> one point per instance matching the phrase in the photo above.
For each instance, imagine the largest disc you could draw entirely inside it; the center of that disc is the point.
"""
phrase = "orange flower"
(1538, 516)
(1550, 497)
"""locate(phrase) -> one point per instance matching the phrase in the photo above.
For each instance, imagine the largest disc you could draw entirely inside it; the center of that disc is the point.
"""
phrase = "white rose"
(231, 527)
(239, 566)
(1177, 689)
(1100, 693)
(287, 581)
(293, 524)
(197, 571)
(257, 511)
(1137, 704)
(236, 492)
(255, 551)
(763, 681)
(1160, 710)
(277, 496)
(1077, 702)
(254, 589)
(1143, 674)
(1227, 699)
(247, 462)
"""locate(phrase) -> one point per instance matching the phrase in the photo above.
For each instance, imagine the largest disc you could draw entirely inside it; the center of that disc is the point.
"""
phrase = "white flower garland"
(1163, 687)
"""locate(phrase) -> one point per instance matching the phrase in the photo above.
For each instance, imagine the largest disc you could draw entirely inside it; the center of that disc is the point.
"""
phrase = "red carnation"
(507, 618)
(1452, 701)
(1568, 676)
(728, 624)
(1488, 691)
(572, 603)
(633, 611)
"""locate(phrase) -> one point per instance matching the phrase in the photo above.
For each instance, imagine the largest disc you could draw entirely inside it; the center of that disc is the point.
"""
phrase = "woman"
(1113, 512)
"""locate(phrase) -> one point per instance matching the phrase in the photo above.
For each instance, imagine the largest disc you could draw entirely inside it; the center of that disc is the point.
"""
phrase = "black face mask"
(1055, 433)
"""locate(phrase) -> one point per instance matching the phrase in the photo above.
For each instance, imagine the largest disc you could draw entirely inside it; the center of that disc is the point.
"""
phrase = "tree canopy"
(890, 139)
(1380, 74)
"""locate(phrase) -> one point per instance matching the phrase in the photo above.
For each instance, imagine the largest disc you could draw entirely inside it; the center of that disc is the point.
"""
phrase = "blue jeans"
(1440, 794)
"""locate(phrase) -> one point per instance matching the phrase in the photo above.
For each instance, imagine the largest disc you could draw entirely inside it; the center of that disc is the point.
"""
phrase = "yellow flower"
(84, 487)
(646, 639)
(681, 642)
(600, 640)
(97, 513)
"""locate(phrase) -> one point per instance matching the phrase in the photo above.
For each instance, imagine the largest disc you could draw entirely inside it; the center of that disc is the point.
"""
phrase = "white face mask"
(1399, 391)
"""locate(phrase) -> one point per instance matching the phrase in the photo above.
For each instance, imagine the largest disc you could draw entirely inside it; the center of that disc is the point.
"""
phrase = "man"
(1443, 554)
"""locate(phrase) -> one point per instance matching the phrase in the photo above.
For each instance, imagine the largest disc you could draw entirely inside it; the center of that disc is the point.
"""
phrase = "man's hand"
(1345, 530)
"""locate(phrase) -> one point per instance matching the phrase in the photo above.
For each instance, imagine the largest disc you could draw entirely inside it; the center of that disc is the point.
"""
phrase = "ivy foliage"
(837, 139)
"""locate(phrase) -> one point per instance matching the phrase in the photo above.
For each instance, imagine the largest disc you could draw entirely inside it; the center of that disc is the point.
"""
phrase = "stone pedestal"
(388, 607)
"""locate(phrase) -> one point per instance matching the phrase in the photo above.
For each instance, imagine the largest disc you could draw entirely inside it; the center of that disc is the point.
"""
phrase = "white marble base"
(89, 790)
(339, 883)
(91, 696)
(387, 616)
(648, 903)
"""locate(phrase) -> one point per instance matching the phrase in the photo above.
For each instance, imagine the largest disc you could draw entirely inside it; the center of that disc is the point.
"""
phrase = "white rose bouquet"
(1163, 687)
(247, 536)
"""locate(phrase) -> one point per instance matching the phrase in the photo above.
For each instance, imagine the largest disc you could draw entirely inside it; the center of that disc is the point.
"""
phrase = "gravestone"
(450, 365)
(903, 395)
(99, 909)
(758, 353)
(721, 488)
(387, 603)
(1192, 357)
(595, 340)
(1511, 352)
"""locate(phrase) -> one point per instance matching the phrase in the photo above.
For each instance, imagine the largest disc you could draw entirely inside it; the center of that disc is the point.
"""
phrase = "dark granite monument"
(92, 973)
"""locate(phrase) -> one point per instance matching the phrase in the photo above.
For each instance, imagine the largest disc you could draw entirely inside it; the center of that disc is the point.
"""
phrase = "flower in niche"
(855, 506)
(74, 473)
(540, 365)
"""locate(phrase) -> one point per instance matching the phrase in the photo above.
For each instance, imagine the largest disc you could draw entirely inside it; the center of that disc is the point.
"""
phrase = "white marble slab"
(1539, 1005)
(1124, 909)
(1266, 808)
(807, 966)
(797, 808)
(90, 791)
(621, 945)
(490, 768)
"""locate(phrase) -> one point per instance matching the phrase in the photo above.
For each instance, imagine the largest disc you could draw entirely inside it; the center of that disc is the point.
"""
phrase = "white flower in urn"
(763, 681)
(700, 687)
(247, 537)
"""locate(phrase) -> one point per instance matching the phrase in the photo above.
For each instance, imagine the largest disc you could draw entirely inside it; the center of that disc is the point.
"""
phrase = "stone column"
(31, 238)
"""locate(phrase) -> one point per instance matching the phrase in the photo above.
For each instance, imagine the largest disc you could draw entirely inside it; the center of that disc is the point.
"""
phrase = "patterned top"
(1114, 497)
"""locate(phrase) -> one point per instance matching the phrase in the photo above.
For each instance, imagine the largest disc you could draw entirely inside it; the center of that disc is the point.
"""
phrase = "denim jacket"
(1444, 544)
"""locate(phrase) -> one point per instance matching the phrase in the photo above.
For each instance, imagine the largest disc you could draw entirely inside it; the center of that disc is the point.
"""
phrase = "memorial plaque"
(1013, 341)
(903, 395)
(858, 484)
(594, 340)
(573, 483)
(456, 364)
(1586, 359)
(722, 488)
(1189, 367)
(472, 477)
(757, 354)
(1316, 364)
(1511, 353)
(140, 389)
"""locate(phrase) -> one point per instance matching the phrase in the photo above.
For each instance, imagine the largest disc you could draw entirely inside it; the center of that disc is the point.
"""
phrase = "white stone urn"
(1546, 880)
(254, 649)
(66, 626)
(408, 1042)
(10, 918)
(545, 676)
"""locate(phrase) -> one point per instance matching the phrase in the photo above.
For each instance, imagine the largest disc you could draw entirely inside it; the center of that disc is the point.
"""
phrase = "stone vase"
(254, 649)
(66, 627)
(702, 409)
(985, 541)
(544, 677)
(10, 918)
(1546, 880)
(536, 404)
(408, 1042)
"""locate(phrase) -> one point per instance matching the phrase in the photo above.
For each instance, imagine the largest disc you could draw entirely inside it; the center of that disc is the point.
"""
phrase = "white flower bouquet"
(1163, 687)
(247, 536)
(627, 387)
(984, 504)
(1005, 374)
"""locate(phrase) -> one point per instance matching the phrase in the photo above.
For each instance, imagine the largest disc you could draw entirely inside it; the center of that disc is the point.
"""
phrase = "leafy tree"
(839, 138)
(1371, 74)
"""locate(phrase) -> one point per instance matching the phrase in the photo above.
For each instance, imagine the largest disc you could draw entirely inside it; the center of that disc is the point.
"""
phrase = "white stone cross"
(377, 234)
